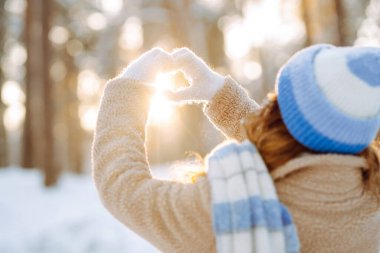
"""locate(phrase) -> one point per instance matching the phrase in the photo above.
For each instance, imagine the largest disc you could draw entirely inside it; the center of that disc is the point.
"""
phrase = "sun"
(161, 110)
(164, 81)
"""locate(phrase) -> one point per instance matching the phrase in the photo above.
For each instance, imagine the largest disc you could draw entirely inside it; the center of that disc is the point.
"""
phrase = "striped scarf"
(247, 215)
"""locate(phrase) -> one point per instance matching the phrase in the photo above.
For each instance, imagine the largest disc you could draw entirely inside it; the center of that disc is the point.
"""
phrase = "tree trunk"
(32, 134)
(321, 21)
(38, 143)
(3, 139)
(50, 168)
(351, 13)
(75, 131)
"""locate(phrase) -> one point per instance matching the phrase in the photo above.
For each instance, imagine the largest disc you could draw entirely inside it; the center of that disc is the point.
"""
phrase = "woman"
(315, 135)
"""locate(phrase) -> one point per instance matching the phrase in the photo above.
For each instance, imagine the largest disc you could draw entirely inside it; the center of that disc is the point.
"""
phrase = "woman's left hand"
(149, 65)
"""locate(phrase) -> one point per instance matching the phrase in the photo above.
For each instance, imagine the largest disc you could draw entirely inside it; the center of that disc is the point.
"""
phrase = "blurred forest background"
(57, 54)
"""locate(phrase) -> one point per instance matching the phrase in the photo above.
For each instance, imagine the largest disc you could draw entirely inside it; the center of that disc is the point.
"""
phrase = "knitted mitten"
(204, 82)
(148, 66)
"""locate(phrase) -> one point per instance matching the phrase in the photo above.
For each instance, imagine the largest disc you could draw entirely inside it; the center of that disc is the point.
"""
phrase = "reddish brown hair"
(268, 132)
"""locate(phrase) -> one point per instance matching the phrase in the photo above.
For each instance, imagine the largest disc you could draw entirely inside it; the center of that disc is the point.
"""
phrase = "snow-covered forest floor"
(68, 218)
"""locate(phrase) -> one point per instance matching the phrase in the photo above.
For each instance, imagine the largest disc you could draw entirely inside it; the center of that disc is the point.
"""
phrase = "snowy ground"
(68, 218)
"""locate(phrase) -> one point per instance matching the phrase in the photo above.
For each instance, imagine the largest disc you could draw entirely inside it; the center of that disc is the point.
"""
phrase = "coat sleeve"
(173, 216)
(230, 105)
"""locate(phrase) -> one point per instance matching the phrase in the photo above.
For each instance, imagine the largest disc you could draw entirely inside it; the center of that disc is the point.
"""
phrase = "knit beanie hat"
(329, 97)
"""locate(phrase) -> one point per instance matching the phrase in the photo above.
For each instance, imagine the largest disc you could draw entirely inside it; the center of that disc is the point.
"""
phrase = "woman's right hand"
(204, 82)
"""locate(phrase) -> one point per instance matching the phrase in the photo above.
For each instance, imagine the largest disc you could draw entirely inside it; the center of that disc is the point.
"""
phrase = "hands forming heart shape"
(204, 82)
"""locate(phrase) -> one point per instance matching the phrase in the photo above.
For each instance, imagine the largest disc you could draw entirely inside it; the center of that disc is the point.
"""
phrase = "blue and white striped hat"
(329, 97)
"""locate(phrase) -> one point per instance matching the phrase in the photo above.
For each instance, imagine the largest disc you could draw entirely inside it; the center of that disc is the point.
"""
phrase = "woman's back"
(332, 211)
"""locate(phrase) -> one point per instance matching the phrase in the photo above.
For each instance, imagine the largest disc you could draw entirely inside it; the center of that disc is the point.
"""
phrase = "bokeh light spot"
(96, 21)
(132, 34)
(59, 35)
(252, 70)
